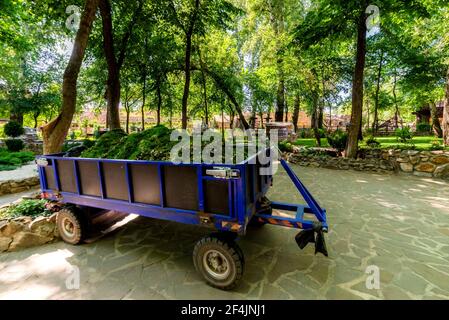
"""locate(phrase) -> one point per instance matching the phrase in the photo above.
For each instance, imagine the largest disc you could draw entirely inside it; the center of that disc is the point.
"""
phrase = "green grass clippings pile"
(152, 144)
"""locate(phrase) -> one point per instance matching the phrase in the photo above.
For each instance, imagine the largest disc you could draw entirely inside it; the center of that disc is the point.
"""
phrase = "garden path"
(398, 224)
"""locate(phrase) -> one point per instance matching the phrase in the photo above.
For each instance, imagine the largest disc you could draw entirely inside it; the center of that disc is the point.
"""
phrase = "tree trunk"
(357, 88)
(204, 83)
(127, 110)
(396, 106)
(17, 117)
(159, 101)
(376, 98)
(277, 20)
(113, 82)
(187, 63)
(297, 105)
(54, 133)
(435, 120)
(127, 119)
(35, 117)
(144, 98)
(320, 117)
(231, 117)
(446, 114)
(185, 97)
(315, 119)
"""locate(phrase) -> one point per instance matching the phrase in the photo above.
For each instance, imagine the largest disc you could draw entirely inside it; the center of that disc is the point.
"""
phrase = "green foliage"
(423, 127)
(13, 129)
(403, 135)
(14, 145)
(322, 133)
(372, 142)
(13, 160)
(151, 144)
(338, 139)
(29, 207)
(105, 144)
(97, 133)
(436, 145)
(285, 146)
(310, 142)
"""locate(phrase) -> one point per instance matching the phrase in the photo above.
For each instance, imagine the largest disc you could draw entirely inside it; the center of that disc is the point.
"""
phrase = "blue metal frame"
(241, 209)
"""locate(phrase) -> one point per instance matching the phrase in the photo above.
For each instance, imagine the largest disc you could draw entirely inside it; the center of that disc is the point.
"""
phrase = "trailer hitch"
(314, 235)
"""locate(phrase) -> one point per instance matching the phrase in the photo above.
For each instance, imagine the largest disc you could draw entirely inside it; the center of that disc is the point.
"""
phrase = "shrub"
(97, 133)
(285, 146)
(436, 145)
(7, 167)
(28, 207)
(338, 139)
(13, 129)
(12, 160)
(403, 135)
(88, 143)
(322, 133)
(423, 127)
(369, 132)
(372, 142)
(14, 145)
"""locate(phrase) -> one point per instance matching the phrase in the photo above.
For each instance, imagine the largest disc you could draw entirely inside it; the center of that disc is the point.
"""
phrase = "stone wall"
(24, 232)
(420, 163)
(16, 186)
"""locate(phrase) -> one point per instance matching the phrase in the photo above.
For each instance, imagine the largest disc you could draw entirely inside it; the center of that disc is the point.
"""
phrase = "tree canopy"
(195, 59)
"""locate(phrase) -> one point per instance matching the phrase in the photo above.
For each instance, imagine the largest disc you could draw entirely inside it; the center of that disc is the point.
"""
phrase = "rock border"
(17, 186)
(24, 232)
(430, 164)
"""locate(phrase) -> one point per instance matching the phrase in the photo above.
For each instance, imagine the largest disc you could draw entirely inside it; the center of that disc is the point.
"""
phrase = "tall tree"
(357, 85)
(446, 112)
(115, 63)
(54, 133)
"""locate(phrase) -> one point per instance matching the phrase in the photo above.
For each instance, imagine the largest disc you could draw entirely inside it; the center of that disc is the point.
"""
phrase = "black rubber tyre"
(220, 261)
(71, 225)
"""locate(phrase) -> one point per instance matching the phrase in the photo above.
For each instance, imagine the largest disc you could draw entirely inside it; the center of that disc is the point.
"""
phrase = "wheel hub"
(68, 227)
(216, 264)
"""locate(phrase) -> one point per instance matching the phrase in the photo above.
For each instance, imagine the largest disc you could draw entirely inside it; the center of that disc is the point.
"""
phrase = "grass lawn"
(420, 143)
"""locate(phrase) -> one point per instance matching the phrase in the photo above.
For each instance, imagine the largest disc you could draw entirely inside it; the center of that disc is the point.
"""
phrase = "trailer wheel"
(220, 261)
(71, 225)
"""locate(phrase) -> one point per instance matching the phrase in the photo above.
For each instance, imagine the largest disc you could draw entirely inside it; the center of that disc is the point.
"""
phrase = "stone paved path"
(399, 224)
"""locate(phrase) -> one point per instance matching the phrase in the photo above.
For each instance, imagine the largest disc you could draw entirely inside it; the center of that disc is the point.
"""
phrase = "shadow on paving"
(399, 224)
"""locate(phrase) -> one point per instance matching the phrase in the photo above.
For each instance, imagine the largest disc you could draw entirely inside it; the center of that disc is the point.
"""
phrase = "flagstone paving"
(399, 224)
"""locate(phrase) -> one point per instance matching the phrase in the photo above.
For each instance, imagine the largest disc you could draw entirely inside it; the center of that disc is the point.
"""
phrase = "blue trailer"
(225, 198)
